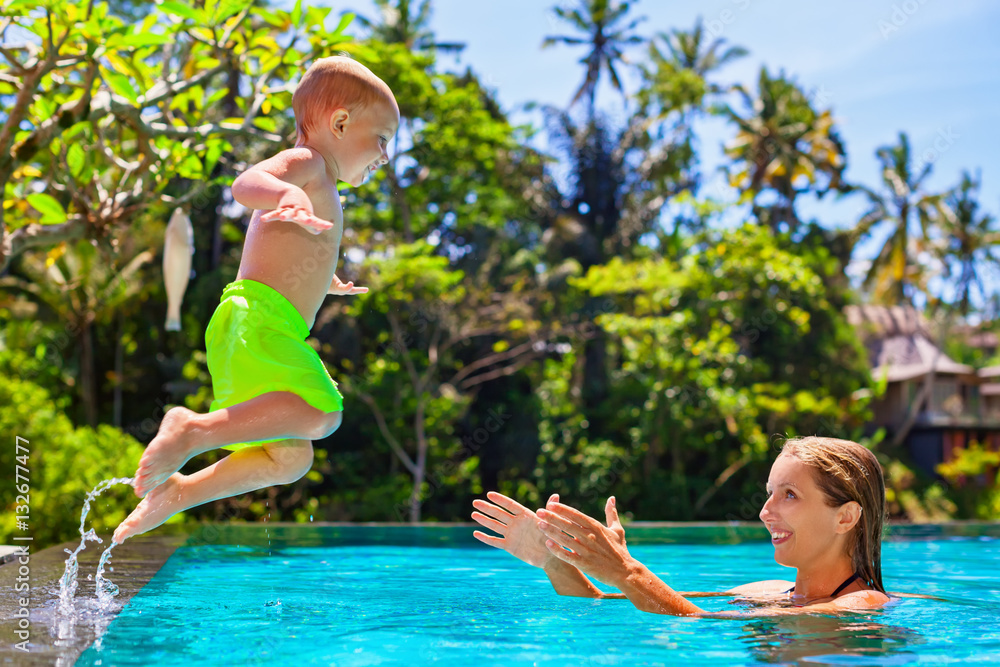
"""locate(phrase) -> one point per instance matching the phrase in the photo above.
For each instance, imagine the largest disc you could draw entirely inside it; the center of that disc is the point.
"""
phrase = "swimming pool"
(303, 595)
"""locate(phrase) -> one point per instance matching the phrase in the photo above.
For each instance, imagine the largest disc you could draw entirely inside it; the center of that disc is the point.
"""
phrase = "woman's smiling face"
(803, 526)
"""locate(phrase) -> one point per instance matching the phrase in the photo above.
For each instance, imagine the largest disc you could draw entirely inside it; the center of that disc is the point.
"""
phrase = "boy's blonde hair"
(332, 83)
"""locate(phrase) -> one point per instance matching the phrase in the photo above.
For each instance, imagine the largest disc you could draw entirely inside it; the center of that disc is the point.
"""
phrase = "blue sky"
(929, 68)
(935, 70)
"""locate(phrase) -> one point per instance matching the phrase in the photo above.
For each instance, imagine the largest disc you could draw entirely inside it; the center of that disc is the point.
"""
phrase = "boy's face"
(362, 139)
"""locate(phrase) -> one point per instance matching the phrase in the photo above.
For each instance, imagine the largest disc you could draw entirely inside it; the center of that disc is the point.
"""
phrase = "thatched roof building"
(932, 403)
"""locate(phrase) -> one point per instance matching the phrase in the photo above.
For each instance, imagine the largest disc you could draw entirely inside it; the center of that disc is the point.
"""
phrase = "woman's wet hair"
(847, 471)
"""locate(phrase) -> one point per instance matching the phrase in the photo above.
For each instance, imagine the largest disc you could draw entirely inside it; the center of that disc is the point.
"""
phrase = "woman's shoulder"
(863, 599)
(768, 587)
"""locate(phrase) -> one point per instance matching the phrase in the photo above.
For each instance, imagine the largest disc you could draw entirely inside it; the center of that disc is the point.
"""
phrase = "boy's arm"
(279, 180)
(276, 184)
(341, 288)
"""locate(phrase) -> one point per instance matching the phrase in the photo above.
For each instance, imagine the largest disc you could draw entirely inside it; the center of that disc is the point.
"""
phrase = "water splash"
(68, 583)
(106, 590)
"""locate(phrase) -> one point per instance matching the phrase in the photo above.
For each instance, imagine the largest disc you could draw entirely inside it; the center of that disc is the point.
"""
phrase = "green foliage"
(975, 472)
(164, 89)
(456, 166)
(415, 310)
(31, 350)
(716, 352)
(911, 494)
(64, 463)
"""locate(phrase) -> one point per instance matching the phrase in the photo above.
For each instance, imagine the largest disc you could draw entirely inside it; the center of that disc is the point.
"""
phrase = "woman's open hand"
(517, 524)
(596, 549)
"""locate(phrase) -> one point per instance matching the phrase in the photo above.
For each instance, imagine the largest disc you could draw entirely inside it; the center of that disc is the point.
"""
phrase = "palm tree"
(601, 22)
(676, 85)
(686, 53)
(400, 24)
(969, 243)
(785, 146)
(908, 211)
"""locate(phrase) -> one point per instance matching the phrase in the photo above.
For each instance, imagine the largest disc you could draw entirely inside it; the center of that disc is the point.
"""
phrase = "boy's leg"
(184, 433)
(242, 471)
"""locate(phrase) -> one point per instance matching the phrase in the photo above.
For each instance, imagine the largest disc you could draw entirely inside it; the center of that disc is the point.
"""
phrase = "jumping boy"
(273, 395)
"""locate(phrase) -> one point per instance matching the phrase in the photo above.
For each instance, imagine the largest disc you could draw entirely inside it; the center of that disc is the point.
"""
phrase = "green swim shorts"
(255, 343)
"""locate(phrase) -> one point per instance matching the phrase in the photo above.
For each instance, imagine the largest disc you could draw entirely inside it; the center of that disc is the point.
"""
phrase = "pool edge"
(136, 562)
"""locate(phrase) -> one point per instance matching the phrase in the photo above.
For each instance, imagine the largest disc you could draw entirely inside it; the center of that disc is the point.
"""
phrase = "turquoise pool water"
(326, 598)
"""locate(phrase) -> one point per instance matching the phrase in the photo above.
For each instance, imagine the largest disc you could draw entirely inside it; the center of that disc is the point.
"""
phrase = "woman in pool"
(825, 511)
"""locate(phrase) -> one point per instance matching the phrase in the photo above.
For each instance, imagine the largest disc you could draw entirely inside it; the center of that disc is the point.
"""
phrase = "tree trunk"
(402, 207)
(217, 243)
(87, 384)
(119, 371)
(595, 372)
(421, 471)
(398, 198)
(418, 482)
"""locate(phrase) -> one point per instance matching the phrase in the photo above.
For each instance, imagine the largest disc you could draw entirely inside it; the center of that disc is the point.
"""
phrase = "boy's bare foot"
(162, 503)
(169, 450)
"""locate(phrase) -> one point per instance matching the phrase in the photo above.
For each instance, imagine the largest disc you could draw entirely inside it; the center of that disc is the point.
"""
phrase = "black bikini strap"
(847, 583)
(850, 580)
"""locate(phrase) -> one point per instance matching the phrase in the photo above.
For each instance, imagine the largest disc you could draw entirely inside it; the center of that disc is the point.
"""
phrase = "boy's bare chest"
(326, 204)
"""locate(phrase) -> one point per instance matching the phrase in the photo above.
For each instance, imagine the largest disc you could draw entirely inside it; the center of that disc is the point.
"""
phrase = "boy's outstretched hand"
(342, 289)
(300, 216)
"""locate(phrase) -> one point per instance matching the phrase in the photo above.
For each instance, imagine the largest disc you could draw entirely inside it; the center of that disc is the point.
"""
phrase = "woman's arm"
(600, 551)
(650, 593)
(768, 587)
(521, 538)
(567, 580)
